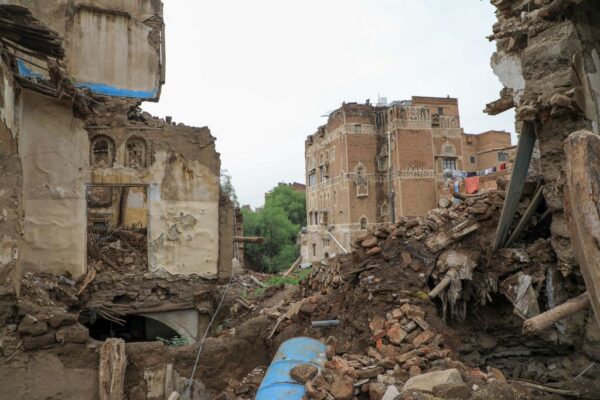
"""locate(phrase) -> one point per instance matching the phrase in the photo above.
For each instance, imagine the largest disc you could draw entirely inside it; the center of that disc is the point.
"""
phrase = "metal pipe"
(326, 323)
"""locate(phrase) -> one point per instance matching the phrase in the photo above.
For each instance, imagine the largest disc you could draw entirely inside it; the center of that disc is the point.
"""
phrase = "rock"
(342, 387)
(73, 334)
(374, 251)
(369, 242)
(496, 374)
(30, 325)
(473, 357)
(411, 223)
(308, 308)
(58, 320)
(369, 372)
(303, 372)
(387, 363)
(444, 203)
(376, 324)
(396, 334)
(35, 342)
(381, 234)
(427, 382)
(376, 391)
(127, 260)
(438, 242)
(452, 391)
(423, 338)
(559, 100)
(478, 209)
(391, 393)
(414, 371)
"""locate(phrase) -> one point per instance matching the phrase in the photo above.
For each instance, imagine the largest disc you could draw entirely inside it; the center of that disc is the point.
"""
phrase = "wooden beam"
(515, 185)
(248, 239)
(535, 202)
(111, 372)
(294, 266)
(582, 202)
(546, 319)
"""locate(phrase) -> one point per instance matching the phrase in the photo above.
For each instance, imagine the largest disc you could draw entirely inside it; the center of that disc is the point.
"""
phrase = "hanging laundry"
(472, 184)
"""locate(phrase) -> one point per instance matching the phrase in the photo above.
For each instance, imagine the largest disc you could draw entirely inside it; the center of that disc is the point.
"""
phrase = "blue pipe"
(277, 383)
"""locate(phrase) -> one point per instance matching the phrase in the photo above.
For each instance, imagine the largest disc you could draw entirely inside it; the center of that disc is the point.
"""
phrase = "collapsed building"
(373, 163)
(113, 221)
(487, 297)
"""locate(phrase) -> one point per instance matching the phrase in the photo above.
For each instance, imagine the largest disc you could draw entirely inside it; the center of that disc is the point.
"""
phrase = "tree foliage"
(279, 222)
(227, 187)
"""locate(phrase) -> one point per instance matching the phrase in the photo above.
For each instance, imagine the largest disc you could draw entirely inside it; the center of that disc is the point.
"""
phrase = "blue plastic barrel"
(277, 383)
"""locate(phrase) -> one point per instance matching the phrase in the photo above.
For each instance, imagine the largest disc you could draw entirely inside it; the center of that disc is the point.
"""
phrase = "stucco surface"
(53, 147)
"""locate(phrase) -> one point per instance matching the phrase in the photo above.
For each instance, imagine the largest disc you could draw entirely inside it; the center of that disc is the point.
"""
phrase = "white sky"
(260, 74)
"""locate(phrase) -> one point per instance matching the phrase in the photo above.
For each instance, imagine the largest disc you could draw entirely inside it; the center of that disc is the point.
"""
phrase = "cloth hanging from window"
(472, 184)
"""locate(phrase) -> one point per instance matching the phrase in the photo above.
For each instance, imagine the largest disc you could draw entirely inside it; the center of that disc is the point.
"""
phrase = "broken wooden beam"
(537, 200)
(499, 106)
(294, 266)
(582, 202)
(111, 372)
(546, 319)
(515, 185)
(249, 239)
(450, 275)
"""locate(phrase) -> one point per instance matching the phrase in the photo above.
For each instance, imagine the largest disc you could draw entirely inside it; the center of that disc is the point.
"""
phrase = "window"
(472, 159)
(360, 180)
(103, 152)
(136, 153)
(502, 156)
(325, 242)
(449, 163)
(325, 218)
(312, 178)
(440, 111)
(314, 247)
(363, 223)
(384, 209)
(357, 128)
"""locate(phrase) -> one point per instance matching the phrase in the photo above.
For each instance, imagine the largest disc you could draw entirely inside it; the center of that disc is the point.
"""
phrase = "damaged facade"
(371, 164)
(123, 208)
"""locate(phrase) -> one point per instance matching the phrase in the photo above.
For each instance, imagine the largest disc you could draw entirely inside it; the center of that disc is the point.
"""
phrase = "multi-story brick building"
(370, 164)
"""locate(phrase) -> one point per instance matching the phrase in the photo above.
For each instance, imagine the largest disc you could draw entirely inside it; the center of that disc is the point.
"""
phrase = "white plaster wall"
(104, 47)
(118, 46)
(54, 150)
(7, 111)
(183, 209)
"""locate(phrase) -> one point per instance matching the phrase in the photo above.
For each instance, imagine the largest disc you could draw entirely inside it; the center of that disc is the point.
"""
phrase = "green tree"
(279, 222)
(292, 202)
(227, 187)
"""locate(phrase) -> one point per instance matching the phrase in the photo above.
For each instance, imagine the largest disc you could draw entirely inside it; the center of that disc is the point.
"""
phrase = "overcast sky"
(260, 74)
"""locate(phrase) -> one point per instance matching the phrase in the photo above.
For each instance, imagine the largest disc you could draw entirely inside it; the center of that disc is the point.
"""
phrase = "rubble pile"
(425, 295)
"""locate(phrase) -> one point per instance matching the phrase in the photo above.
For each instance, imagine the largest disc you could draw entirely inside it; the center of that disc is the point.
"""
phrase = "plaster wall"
(109, 47)
(53, 148)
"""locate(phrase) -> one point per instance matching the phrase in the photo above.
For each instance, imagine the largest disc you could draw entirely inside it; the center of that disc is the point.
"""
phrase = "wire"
(189, 386)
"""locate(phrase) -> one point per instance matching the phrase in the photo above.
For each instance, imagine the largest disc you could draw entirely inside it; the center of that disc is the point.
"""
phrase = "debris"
(550, 317)
(326, 323)
(429, 381)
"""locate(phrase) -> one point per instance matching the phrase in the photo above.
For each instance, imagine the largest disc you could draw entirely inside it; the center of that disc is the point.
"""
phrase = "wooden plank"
(248, 239)
(111, 372)
(517, 180)
(535, 202)
(582, 202)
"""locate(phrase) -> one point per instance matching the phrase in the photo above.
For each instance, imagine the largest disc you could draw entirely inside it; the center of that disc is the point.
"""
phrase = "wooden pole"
(294, 266)
(537, 200)
(582, 203)
(451, 274)
(111, 372)
(248, 239)
(546, 319)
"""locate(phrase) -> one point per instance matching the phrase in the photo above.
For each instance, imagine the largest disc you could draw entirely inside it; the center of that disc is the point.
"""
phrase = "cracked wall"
(114, 48)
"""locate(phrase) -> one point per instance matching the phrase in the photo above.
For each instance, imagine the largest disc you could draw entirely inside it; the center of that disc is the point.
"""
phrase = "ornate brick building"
(370, 164)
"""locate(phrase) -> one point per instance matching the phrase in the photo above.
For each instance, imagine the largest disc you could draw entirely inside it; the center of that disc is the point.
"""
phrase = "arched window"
(102, 152)
(361, 181)
(136, 153)
(384, 209)
(363, 223)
